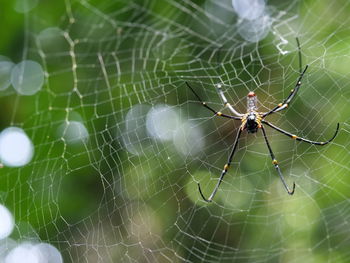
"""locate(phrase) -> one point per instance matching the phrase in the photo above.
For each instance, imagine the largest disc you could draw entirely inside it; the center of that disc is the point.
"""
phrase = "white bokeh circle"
(16, 149)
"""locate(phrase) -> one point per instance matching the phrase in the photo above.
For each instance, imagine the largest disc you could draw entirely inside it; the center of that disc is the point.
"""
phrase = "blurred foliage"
(98, 201)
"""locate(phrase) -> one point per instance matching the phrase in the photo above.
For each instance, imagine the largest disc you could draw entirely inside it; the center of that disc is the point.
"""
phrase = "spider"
(253, 120)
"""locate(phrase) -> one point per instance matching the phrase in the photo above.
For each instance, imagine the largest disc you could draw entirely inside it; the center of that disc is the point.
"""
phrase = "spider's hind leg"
(224, 171)
(275, 163)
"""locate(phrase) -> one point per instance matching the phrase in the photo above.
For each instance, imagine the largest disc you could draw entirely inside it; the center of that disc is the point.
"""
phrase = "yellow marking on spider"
(259, 122)
(280, 104)
(244, 121)
(286, 105)
(219, 113)
(294, 136)
(292, 90)
(226, 167)
(274, 161)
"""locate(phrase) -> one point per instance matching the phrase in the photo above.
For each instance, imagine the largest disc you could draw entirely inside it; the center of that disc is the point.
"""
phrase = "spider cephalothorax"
(252, 121)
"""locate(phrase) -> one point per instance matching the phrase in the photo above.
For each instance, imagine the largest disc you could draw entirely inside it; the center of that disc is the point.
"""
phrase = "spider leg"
(292, 94)
(217, 113)
(226, 104)
(275, 163)
(299, 52)
(300, 138)
(294, 91)
(224, 171)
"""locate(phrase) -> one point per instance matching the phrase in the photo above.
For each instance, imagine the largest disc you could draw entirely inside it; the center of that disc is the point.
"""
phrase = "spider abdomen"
(252, 124)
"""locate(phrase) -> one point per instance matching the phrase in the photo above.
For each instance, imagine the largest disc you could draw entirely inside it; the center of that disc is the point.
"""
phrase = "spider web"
(127, 192)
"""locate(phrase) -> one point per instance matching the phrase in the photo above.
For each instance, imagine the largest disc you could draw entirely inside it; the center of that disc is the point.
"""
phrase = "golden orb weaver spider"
(253, 120)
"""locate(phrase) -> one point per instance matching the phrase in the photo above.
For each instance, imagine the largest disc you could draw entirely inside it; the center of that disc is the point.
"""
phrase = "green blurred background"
(123, 194)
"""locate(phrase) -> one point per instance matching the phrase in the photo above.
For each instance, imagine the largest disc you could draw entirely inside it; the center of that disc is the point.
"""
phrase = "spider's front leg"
(217, 113)
(226, 103)
(292, 94)
(294, 91)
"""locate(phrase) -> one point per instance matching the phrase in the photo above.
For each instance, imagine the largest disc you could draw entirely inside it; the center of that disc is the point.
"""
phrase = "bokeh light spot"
(161, 122)
(255, 30)
(74, 132)
(5, 74)
(27, 77)
(16, 149)
(47, 253)
(24, 6)
(6, 222)
(51, 40)
(249, 9)
(189, 139)
(135, 137)
(23, 253)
